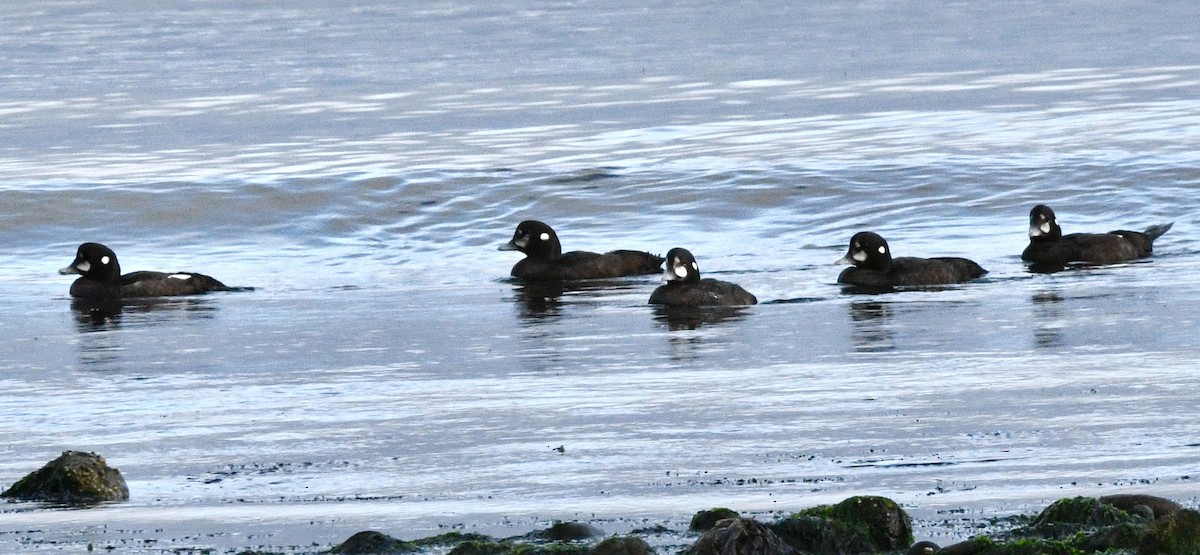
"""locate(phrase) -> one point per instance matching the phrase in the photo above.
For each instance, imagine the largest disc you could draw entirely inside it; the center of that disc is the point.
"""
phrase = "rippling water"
(358, 165)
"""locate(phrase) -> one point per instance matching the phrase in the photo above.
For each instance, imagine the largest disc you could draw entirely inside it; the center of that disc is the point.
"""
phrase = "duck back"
(706, 292)
(913, 271)
(589, 265)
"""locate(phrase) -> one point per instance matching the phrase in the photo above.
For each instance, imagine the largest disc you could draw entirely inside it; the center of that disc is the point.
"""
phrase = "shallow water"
(358, 166)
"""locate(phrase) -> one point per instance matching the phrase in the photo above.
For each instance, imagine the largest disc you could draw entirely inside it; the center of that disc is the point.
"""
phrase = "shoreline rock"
(74, 478)
(1112, 525)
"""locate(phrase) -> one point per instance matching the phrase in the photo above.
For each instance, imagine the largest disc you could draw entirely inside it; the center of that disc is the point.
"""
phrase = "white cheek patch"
(84, 266)
(681, 271)
(1044, 228)
(544, 236)
(180, 276)
(521, 242)
(104, 260)
(859, 256)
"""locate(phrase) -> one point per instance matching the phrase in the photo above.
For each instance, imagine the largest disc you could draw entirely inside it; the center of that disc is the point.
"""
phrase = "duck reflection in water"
(1047, 319)
(544, 301)
(872, 321)
(693, 317)
(539, 300)
(102, 315)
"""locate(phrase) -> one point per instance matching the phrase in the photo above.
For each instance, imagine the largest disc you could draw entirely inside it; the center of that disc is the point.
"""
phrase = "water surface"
(359, 165)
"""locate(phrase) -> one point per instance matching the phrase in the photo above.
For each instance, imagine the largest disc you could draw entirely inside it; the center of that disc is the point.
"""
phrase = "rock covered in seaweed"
(562, 531)
(1175, 534)
(1084, 525)
(623, 545)
(370, 542)
(865, 524)
(74, 477)
(740, 536)
(1141, 504)
(703, 521)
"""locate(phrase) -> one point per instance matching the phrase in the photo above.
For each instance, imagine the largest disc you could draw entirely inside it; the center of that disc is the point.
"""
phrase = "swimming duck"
(875, 267)
(545, 261)
(1048, 245)
(682, 285)
(101, 278)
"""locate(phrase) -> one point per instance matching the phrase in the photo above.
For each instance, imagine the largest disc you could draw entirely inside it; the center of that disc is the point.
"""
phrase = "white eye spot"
(544, 236)
(180, 276)
(695, 266)
(882, 250)
(860, 256)
(104, 260)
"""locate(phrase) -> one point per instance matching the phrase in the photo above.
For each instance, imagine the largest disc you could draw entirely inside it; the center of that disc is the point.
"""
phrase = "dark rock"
(1177, 534)
(74, 477)
(568, 531)
(703, 521)
(450, 538)
(370, 542)
(976, 546)
(740, 536)
(922, 548)
(1126, 535)
(822, 535)
(864, 524)
(481, 547)
(623, 545)
(1158, 507)
(1076, 512)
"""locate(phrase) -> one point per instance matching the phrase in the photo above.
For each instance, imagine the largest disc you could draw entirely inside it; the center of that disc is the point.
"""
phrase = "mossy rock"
(74, 477)
(370, 542)
(1177, 534)
(864, 524)
(509, 547)
(703, 521)
(1142, 504)
(1127, 535)
(740, 536)
(823, 536)
(922, 548)
(486, 546)
(567, 531)
(557, 548)
(450, 538)
(974, 546)
(622, 545)
(1028, 546)
(1079, 512)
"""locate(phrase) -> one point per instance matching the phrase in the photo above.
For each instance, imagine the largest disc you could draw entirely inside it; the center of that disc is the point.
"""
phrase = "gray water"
(358, 165)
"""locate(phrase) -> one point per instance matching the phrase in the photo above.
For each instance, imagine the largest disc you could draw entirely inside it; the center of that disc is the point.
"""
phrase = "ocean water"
(358, 165)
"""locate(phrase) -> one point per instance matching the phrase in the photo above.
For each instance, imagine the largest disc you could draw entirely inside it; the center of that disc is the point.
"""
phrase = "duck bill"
(844, 260)
(75, 269)
(509, 246)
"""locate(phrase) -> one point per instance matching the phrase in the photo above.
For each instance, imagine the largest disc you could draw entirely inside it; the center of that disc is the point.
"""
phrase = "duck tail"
(1155, 231)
